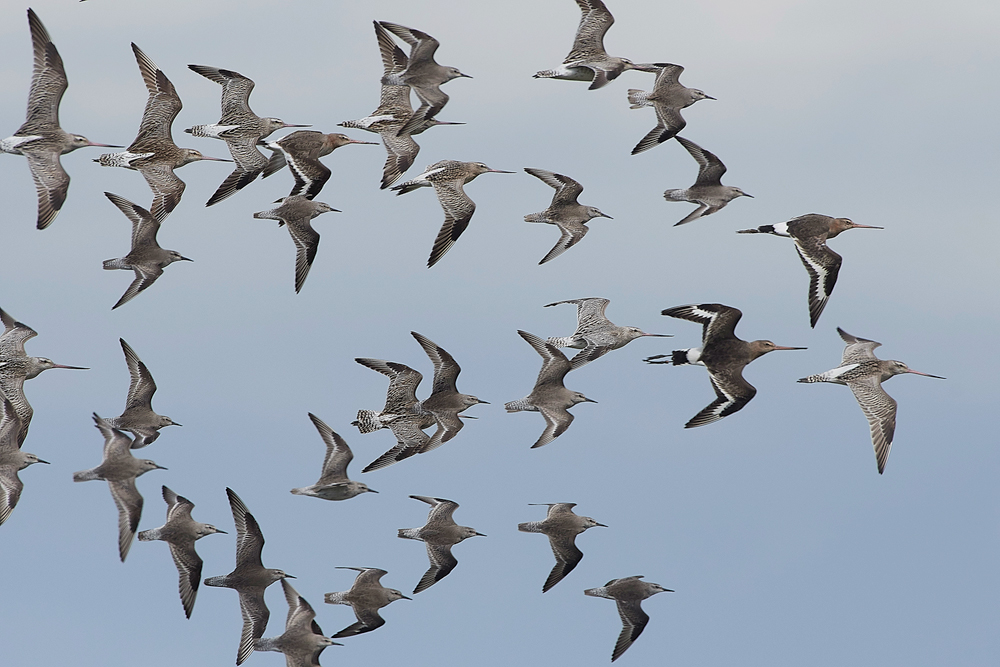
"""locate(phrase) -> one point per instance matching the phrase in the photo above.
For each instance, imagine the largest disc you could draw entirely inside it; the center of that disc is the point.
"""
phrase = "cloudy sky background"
(783, 543)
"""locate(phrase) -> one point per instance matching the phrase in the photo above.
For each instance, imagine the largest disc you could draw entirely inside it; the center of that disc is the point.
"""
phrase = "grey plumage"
(667, 98)
(864, 374)
(549, 396)
(303, 639)
(565, 212)
(561, 525)
(439, 534)
(366, 597)
(12, 460)
(297, 212)
(138, 416)
(180, 532)
(708, 191)
(333, 483)
(595, 334)
(628, 593)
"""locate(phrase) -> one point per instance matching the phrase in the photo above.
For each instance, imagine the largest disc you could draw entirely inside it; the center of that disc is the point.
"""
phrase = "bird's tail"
(637, 98)
(368, 421)
(763, 229)
(676, 358)
(119, 263)
(519, 405)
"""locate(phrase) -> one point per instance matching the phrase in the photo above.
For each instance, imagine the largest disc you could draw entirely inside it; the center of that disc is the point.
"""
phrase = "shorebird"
(447, 178)
(40, 139)
(181, 532)
(864, 373)
(561, 525)
(445, 402)
(564, 212)
(119, 469)
(12, 460)
(303, 639)
(333, 483)
(393, 112)
(138, 416)
(422, 74)
(708, 191)
(366, 597)
(723, 354)
(301, 151)
(250, 577)
(146, 258)
(439, 533)
(810, 233)
(550, 396)
(628, 593)
(668, 97)
(16, 367)
(298, 211)
(153, 153)
(587, 60)
(239, 127)
(595, 334)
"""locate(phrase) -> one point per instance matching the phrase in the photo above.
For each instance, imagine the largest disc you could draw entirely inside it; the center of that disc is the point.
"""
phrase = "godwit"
(153, 153)
(146, 258)
(595, 334)
(16, 367)
(333, 482)
(393, 112)
(297, 212)
(864, 373)
(366, 597)
(138, 416)
(422, 74)
(561, 525)
(301, 150)
(119, 469)
(564, 212)
(250, 577)
(40, 139)
(628, 593)
(180, 532)
(445, 401)
(667, 99)
(708, 191)
(587, 60)
(303, 639)
(239, 127)
(12, 460)
(723, 354)
(550, 396)
(447, 178)
(439, 534)
(810, 233)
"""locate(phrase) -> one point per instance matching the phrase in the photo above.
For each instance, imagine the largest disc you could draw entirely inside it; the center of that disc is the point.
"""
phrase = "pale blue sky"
(785, 546)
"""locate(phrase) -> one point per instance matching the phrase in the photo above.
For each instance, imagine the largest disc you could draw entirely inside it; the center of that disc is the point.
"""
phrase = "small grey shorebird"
(333, 482)
(393, 112)
(667, 98)
(549, 396)
(301, 151)
(587, 60)
(447, 178)
(303, 640)
(180, 532)
(564, 212)
(146, 258)
(119, 469)
(12, 460)
(595, 334)
(138, 416)
(439, 534)
(708, 191)
(810, 233)
(40, 139)
(628, 593)
(864, 374)
(297, 212)
(722, 353)
(250, 577)
(153, 153)
(561, 525)
(16, 367)
(239, 127)
(422, 74)
(366, 597)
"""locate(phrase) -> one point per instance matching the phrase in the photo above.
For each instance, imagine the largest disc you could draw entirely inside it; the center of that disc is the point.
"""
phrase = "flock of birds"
(155, 155)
